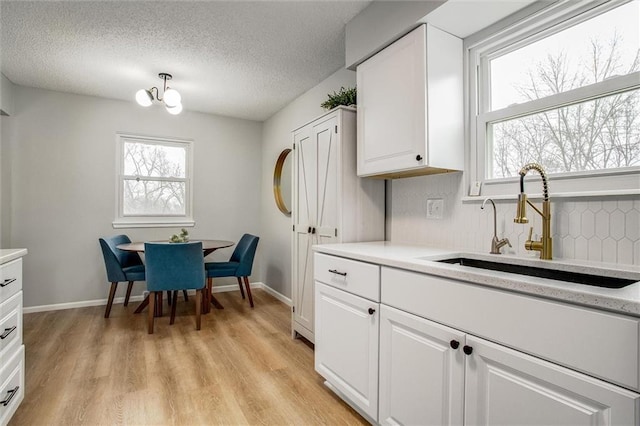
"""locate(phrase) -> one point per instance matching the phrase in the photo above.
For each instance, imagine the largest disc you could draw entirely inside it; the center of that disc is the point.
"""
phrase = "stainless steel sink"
(532, 271)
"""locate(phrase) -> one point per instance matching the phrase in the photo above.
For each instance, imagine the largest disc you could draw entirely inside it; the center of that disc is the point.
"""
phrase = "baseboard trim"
(140, 297)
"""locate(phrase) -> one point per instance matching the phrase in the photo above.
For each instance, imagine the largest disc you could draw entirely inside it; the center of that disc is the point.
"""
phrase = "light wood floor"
(241, 368)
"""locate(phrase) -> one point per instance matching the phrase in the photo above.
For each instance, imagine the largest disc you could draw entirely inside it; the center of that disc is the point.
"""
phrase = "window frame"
(150, 220)
(534, 23)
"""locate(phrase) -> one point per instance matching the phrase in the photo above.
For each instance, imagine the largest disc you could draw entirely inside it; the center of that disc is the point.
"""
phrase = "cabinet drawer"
(601, 344)
(10, 279)
(359, 278)
(11, 386)
(10, 325)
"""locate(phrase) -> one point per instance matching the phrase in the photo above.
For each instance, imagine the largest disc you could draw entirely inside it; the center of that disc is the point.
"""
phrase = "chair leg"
(142, 305)
(198, 308)
(246, 284)
(159, 295)
(126, 298)
(173, 307)
(112, 293)
(186, 297)
(169, 298)
(240, 284)
(151, 314)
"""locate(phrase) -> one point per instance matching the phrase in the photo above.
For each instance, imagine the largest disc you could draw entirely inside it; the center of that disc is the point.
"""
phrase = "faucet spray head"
(521, 212)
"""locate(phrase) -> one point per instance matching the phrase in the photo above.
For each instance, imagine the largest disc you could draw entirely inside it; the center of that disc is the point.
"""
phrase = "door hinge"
(336, 232)
(294, 308)
(294, 228)
(294, 146)
(336, 128)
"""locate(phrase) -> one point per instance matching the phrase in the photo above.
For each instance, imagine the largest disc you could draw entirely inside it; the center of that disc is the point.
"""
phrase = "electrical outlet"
(435, 207)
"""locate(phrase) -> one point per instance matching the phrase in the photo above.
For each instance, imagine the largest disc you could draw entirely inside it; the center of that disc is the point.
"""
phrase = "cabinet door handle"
(454, 344)
(7, 282)
(7, 332)
(10, 394)
(313, 230)
(371, 311)
(308, 230)
(418, 157)
(467, 349)
(334, 271)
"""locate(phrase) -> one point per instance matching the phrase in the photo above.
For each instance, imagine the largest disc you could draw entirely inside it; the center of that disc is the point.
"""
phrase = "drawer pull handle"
(371, 311)
(454, 344)
(7, 282)
(333, 271)
(10, 394)
(7, 332)
(467, 349)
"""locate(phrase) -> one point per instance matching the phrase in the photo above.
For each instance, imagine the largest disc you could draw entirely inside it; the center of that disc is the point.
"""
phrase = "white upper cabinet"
(410, 106)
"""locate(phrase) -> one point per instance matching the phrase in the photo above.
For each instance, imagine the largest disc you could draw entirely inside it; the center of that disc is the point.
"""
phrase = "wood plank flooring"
(241, 368)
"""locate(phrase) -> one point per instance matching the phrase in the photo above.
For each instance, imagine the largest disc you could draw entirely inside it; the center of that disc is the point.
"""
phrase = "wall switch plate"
(435, 207)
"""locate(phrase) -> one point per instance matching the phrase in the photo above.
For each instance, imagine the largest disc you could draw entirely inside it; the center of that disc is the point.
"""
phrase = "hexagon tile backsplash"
(597, 229)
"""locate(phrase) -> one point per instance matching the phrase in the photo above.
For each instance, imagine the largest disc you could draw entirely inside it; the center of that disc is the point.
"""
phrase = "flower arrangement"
(343, 97)
(183, 237)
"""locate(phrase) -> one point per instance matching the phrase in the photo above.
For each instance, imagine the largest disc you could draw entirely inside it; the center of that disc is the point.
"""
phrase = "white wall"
(276, 136)
(594, 229)
(63, 185)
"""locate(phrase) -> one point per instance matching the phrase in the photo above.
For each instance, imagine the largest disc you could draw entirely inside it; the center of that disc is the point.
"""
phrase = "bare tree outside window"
(154, 182)
(593, 134)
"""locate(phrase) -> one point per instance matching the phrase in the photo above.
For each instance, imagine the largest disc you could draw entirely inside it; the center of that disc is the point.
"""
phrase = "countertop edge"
(7, 255)
(624, 301)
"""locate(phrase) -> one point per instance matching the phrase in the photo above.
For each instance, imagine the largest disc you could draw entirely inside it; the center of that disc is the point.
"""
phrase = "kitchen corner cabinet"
(11, 346)
(330, 203)
(410, 106)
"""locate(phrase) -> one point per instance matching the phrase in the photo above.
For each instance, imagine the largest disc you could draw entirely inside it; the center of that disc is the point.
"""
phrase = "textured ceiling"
(235, 58)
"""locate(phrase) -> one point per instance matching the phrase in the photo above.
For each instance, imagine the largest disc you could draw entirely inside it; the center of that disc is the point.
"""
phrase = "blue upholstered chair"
(172, 267)
(121, 266)
(238, 266)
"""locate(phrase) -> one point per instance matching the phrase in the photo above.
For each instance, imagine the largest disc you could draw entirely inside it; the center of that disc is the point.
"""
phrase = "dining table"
(208, 247)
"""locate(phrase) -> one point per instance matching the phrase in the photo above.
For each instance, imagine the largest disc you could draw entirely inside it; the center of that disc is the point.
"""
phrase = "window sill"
(552, 196)
(149, 223)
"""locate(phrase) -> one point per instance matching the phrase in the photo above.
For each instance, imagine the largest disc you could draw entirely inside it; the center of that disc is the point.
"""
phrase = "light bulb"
(144, 97)
(171, 97)
(175, 110)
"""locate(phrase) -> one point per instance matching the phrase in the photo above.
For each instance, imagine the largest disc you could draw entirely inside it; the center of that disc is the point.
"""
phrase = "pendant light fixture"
(170, 97)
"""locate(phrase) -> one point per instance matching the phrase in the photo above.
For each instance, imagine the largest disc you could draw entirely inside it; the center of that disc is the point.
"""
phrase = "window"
(560, 88)
(154, 182)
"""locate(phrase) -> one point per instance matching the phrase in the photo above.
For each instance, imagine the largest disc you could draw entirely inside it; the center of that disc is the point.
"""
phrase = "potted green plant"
(343, 97)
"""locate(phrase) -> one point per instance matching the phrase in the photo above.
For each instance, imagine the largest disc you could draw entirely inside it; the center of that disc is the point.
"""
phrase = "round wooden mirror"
(282, 187)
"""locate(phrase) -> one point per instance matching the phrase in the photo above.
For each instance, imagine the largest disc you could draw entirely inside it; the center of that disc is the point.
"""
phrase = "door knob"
(454, 344)
(467, 349)
(371, 311)
(418, 157)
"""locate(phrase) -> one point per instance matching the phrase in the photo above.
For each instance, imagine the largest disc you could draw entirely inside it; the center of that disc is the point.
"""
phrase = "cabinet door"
(346, 352)
(505, 387)
(325, 136)
(421, 371)
(392, 107)
(305, 175)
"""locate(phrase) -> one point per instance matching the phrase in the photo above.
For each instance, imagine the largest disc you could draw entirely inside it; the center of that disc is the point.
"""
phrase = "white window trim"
(537, 23)
(153, 221)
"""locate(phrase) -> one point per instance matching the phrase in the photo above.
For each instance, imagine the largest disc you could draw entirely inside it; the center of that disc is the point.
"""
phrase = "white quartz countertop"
(7, 255)
(424, 259)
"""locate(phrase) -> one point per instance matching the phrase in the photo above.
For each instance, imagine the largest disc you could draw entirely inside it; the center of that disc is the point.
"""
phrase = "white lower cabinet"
(507, 387)
(431, 374)
(346, 346)
(421, 371)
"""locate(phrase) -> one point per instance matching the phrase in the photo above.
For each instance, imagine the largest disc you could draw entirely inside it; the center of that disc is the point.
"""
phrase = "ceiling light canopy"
(170, 97)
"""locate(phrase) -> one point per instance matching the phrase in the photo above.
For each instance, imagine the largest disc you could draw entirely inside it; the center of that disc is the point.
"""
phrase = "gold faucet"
(544, 245)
